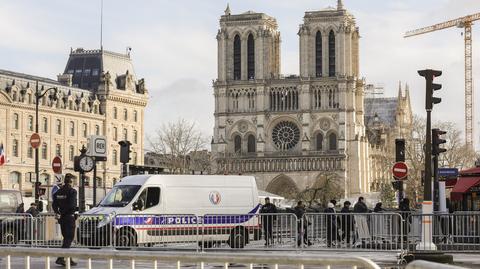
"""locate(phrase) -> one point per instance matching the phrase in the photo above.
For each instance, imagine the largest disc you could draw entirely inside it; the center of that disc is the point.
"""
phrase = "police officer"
(268, 209)
(65, 205)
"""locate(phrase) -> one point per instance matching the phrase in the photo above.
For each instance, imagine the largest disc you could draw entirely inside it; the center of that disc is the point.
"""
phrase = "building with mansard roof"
(98, 94)
(291, 132)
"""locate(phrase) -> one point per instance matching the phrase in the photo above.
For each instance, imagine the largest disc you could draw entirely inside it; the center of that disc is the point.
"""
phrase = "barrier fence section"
(16, 229)
(457, 232)
(162, 259)
(378, 231)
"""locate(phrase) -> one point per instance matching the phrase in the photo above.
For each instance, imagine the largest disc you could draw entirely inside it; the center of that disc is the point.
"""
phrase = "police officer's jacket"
(65, 201)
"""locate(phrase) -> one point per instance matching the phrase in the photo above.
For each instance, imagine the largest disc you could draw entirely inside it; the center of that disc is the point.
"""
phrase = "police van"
(146, 210)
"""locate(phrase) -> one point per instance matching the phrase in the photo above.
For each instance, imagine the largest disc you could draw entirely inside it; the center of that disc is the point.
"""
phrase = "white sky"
(174, 46)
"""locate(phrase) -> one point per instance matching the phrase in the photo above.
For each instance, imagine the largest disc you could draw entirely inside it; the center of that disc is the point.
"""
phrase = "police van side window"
(149, 197)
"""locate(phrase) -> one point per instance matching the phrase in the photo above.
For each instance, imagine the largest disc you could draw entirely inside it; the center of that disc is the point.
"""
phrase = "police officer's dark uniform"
(268, 209)
(65, 205)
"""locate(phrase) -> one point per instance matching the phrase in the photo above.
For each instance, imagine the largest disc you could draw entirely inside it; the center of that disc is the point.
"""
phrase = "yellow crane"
(466, 23)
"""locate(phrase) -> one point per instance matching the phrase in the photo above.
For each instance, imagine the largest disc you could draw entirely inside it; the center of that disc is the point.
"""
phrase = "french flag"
(2, 155)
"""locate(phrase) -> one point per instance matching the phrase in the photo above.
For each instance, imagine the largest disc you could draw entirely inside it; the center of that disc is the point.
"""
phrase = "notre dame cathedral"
(292, 131)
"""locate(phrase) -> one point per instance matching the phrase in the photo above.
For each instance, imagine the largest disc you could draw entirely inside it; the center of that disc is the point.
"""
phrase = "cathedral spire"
(399, 89)
(227, 10)
(339, 5)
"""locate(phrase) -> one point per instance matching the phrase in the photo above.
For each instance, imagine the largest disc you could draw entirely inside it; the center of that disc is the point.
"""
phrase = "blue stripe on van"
(184, 219)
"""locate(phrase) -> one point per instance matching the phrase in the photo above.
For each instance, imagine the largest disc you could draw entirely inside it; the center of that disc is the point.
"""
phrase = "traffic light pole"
(436, 189)
(400, 157)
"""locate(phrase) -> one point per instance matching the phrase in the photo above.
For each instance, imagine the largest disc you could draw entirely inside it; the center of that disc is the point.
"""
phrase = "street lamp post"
(39, 93)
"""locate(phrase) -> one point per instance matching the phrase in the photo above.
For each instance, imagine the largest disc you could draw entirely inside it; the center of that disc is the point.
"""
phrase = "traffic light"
(124, 151)
(437, 141)
(429, 75)
(76, 163)
(397, 184)
(399, 150)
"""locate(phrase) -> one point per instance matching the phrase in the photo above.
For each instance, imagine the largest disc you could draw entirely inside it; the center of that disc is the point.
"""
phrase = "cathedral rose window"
(285, 135)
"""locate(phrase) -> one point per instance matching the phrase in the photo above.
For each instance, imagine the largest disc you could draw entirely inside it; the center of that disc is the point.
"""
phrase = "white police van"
(145, 210)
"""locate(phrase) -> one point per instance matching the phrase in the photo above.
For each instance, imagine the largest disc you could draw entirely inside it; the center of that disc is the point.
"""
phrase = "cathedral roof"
(382, 109)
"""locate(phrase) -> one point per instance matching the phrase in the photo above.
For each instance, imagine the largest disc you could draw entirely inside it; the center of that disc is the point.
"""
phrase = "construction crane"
(466, 23)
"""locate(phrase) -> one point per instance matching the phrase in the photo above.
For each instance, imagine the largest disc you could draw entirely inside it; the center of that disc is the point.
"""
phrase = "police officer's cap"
(68, 179)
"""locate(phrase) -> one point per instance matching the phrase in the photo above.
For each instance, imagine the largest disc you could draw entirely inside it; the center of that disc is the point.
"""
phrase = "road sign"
(57, 165)
(97, 147)
(445, 173)
(35, 140)
(400, 170)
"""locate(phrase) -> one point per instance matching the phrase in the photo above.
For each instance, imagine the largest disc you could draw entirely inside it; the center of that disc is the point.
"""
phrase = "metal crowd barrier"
(160, 259)
(379, 231)
(16, 229)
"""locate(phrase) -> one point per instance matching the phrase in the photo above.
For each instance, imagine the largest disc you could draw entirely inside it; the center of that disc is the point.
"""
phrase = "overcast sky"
(174, 46)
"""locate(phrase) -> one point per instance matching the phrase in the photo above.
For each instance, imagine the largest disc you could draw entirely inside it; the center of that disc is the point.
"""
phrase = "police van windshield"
(120, 196)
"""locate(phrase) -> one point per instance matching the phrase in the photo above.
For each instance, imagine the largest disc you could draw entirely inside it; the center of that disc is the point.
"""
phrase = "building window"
(286, 135)
(72, 128)
(15, 178)
(134, 157)
(15, 121)
(44, 151)
(125, 114)
(30, 123)
(115, 138)
(71, 153)
(237, 57)
(95, 72)
(332, 141)
(251, 57)
(58, 150)
(59, 127)
(251, 144)
(135, 116)
(135, 137)
(114, 157)
(15, 148)
(97, 130)
(45, 125)
(318, 54)
(125, 134)
(29, 98)
(30, 152)
(115, 113)
(237, 144)
(331, 54)
(319, 141)
(84, 130)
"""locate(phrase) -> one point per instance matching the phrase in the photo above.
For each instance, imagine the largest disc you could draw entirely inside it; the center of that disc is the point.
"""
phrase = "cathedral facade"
(291, 132)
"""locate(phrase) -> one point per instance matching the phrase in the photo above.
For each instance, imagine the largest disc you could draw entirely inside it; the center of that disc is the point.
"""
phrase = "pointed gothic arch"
(237, 143)
(331, 54)
(318, 54)
(319, 141)
(284, 186)
(250, 57)
(251, 143)
(237, 57)
(332, 141)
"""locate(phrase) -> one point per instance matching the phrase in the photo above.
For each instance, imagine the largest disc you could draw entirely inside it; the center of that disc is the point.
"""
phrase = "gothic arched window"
(237, 144)
(331, 54)
(237, 57)
(332, 141)
(251, 57)
(251, 145)
(318, 54)
(319, 141)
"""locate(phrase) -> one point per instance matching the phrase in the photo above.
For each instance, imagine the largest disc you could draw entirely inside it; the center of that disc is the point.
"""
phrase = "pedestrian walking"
(378, 208)
(64, 205)
(268, 210)
(33, 210)
(331, 221)
(360, 206)
(347, 222)
(302, 226)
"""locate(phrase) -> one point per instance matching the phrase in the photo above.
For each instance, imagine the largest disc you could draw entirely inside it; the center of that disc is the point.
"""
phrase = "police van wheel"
(9, 238)
(237, 239)
(126, 239)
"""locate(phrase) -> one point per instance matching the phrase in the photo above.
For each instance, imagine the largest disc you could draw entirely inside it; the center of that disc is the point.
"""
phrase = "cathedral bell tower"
(248, 46)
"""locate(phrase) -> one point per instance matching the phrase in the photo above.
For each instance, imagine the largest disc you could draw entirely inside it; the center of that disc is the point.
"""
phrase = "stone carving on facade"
(254, 120)
(325, 124)
(243, 127)
(229, 121)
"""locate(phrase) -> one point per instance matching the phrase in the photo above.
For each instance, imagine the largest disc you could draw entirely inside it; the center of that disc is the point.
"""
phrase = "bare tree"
(175, 141)
(457, 155)
(327, 187)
